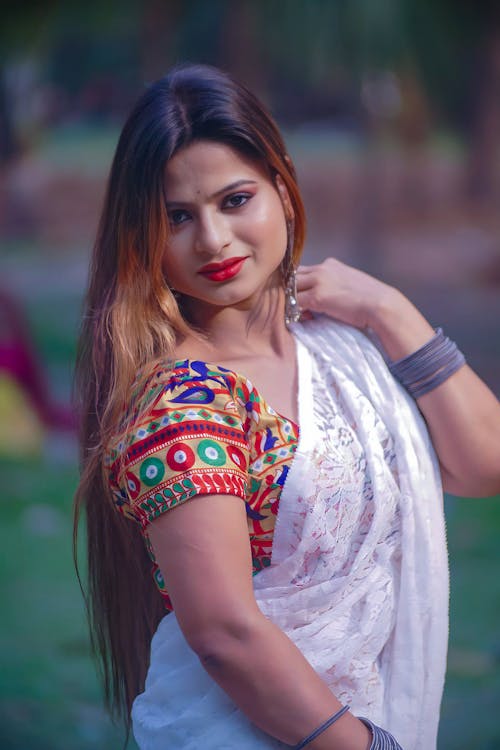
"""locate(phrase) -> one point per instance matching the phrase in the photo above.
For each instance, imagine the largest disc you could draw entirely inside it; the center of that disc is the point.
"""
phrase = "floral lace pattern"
(359, 554)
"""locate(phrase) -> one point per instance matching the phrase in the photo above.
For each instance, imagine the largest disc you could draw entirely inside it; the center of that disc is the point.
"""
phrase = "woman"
(299, 587)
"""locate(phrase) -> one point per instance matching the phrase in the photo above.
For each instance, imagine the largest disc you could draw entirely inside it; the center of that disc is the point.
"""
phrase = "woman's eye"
(237, 200)
(178, 217)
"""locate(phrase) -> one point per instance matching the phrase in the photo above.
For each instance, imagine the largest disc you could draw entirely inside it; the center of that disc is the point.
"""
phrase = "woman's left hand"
(360, 300)
(342, 292)
(462, 414)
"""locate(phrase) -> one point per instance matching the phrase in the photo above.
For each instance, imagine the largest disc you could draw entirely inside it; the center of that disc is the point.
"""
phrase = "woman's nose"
(213, 234)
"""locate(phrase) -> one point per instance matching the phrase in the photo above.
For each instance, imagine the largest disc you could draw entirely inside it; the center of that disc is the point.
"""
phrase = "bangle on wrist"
(321, 728)
(381, 739)
(429, 366)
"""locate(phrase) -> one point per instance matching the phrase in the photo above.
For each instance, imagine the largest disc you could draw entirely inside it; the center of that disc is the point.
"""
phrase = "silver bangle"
(321, 728)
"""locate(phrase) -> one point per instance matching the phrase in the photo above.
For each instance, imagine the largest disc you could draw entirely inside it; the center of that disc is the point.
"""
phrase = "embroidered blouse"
(202, 429)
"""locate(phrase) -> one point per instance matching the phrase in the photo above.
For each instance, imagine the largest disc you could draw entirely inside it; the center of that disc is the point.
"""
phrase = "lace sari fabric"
(359, 567)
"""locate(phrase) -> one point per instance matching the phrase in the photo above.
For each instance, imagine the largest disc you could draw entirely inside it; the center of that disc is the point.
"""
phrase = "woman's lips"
(222, 271)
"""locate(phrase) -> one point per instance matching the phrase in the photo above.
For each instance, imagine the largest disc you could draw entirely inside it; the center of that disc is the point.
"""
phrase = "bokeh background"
(391, 110)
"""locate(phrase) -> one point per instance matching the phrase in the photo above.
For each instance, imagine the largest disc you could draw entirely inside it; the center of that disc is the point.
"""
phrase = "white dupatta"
(359, 577)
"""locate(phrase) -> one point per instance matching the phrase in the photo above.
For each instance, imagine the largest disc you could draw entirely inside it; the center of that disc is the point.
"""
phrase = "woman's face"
(228, 226)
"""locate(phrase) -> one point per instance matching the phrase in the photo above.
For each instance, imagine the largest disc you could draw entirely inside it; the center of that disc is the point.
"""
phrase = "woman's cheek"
(172, 265)
(268, 222)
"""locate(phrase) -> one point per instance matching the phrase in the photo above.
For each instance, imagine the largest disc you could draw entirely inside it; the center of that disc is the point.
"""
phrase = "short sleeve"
(190, 440)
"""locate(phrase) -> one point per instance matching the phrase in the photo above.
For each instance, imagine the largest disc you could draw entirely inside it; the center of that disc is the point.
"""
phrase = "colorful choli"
(203, 430)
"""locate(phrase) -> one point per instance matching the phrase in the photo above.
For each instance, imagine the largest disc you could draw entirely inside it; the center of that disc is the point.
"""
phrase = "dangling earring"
(292, 309)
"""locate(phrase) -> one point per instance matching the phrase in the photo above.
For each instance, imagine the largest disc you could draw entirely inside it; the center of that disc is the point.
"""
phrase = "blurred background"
(391, 110)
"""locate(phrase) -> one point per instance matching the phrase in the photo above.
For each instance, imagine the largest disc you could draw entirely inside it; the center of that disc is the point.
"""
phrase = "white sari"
(359, 576)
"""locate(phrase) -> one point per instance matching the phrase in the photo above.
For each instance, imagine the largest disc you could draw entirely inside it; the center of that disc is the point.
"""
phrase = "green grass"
(472, 694)
(49, 694)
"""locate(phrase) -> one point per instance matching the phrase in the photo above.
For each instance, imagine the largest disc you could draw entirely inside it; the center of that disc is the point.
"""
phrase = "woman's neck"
(254, 341)
(250, 330)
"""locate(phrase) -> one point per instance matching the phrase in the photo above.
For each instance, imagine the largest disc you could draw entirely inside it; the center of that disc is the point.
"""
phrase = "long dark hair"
(131, 319)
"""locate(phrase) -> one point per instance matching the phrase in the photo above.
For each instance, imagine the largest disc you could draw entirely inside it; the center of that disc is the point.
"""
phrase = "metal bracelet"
(429, 366)
(321, 728)
(381, 739)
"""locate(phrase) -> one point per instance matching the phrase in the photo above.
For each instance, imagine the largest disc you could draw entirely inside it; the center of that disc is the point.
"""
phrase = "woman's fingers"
(339, 290)
(305, 282)
(309, 288)
(306, 278)
(306, 272)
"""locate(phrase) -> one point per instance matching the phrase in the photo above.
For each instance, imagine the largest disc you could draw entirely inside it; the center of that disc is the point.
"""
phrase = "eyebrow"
(226, 189)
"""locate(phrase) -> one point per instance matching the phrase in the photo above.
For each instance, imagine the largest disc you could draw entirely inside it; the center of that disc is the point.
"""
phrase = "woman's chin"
(249, 299)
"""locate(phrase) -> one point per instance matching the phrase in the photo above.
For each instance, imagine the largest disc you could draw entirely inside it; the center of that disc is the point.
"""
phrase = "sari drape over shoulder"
(358, 576)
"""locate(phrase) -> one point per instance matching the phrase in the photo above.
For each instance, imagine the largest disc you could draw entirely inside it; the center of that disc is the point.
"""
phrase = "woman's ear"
(285, 197)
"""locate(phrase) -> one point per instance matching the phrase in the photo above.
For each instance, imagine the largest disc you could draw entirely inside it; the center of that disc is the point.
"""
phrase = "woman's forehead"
(206, 167)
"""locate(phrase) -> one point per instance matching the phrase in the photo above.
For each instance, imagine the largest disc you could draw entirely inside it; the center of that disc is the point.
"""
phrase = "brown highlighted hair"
(131, 319)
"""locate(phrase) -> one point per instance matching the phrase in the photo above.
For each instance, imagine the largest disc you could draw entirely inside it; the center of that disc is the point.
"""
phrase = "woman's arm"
(462, 414)
(203, 550)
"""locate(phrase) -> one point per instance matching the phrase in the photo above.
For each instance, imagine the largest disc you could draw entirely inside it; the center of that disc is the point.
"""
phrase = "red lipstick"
(222, 271)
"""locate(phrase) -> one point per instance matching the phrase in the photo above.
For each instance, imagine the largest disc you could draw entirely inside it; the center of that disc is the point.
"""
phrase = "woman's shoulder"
(178, 383)
(186, 417)
(327, 334)
(172, 394)
(355, 354)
